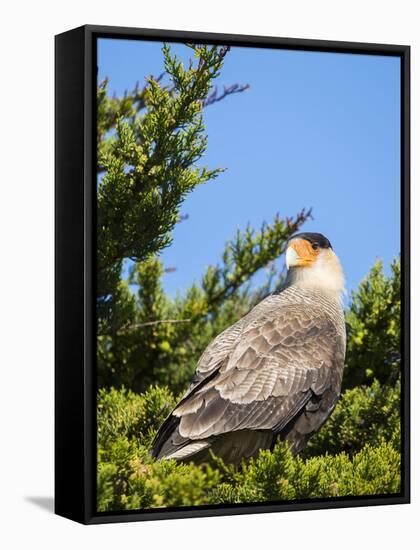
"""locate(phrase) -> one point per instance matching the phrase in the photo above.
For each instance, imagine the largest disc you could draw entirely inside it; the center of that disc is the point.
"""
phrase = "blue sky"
(318, 130)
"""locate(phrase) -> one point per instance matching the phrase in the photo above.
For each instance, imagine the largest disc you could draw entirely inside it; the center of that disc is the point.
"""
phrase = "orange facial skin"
(307, 255)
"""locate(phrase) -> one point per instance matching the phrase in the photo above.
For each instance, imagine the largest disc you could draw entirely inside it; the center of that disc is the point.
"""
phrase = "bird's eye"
(315, 246)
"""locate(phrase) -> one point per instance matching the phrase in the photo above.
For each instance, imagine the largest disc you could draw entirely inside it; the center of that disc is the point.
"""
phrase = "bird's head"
(312, 263)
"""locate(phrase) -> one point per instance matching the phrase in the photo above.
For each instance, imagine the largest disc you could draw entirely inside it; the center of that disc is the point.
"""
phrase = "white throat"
(325, 275)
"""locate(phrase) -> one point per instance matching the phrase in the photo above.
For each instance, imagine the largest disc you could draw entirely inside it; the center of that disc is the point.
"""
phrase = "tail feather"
(188, 450)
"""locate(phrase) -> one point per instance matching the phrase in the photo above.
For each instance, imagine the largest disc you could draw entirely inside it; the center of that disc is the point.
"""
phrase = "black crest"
(314, 238)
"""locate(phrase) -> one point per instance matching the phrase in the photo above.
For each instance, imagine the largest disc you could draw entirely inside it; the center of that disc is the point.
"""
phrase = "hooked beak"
(292, 258)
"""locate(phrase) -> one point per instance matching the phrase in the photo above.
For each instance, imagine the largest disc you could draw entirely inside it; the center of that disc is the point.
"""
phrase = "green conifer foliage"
(357, 452)
(373, 328)
(149, 146)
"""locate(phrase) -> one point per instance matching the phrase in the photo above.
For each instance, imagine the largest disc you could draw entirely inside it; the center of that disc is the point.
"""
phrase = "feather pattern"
(277, 371)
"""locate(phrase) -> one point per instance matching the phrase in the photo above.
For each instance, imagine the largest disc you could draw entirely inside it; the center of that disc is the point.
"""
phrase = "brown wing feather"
(262, 372)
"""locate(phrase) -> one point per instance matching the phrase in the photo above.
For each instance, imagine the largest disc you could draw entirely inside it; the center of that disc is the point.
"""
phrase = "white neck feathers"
(325, 275)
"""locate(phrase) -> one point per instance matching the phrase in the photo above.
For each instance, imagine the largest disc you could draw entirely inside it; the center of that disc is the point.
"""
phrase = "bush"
(277, 475)
(373, 328)
(363, 458)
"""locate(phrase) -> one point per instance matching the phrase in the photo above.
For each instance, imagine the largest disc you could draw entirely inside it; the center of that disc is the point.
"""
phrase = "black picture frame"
(75, 222)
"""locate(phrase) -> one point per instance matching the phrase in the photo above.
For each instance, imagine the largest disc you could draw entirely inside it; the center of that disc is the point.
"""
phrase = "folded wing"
(268, 373)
